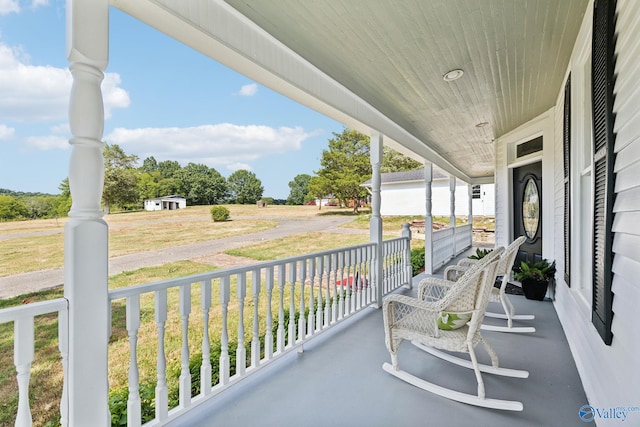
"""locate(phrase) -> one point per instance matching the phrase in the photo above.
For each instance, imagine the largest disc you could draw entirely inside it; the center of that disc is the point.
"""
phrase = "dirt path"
(208, 252)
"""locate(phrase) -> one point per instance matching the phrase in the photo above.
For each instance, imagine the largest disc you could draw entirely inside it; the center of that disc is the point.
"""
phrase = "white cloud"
(239, 166)
(14, 6)
(44, 143)
(30, 93)
(248, 90)
(9, 6)
(6, 132)
(222, 145)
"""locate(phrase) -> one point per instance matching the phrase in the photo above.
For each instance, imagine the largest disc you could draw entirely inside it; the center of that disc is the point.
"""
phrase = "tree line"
(344, 166)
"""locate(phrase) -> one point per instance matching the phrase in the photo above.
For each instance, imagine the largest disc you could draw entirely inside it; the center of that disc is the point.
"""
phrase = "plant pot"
(534, 289)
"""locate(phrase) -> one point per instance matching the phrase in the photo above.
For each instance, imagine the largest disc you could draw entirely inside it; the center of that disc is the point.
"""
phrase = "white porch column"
(428, 220)
(470, 218)
(85, 240)
(375, 224)
(452, 218)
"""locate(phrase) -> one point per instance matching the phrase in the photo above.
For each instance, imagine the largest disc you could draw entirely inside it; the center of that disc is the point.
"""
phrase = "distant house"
(165, 203)
(403, 193)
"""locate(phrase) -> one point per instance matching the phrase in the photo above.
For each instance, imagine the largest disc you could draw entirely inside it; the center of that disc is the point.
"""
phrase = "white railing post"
(22, 359)
(134, 410)
(205, 368)
(224, 336)
(268, 336)
(428, 219)
(452, 218)
(86, 256)
(375, 225)
(470, 220)
(162, 391)
(408, 270)
(255, 340)
(185, 374)
(241, 351)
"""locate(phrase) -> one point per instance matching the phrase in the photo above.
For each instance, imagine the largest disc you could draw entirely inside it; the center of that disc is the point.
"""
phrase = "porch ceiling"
(392, 55)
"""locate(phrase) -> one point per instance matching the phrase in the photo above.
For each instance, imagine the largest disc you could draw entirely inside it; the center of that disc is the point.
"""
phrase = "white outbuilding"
(165, 203)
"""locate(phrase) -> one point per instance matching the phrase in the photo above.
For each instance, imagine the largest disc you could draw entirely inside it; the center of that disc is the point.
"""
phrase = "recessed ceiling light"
(482, 124)
(452, 75)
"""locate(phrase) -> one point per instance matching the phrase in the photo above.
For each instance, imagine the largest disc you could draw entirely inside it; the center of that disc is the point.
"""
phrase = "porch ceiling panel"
(393, 54)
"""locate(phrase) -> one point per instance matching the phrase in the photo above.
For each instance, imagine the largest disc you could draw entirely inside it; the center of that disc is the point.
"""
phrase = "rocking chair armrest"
(433, 290)
(411, 302)
(466, 262)
(453, 272)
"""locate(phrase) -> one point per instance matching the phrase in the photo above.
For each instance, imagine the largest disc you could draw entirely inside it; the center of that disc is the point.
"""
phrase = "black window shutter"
(603, 63)
(566, 148)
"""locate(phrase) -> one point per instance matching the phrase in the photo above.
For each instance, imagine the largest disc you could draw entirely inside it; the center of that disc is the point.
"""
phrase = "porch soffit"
(391, 55)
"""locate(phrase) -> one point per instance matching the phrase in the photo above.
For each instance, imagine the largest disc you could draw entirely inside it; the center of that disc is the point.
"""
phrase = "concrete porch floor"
(338, 381)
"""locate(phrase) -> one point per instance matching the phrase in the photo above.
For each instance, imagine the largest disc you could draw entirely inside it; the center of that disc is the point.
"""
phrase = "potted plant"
(535, 278)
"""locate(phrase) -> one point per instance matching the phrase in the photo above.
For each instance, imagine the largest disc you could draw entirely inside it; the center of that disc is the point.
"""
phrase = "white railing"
(23, 318)
(447, 244)
(245, 318)
(396, 264)
(260, 313)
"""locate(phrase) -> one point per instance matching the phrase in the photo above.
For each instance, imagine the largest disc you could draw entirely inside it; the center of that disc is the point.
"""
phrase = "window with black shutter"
(566, 148)
(603, 64)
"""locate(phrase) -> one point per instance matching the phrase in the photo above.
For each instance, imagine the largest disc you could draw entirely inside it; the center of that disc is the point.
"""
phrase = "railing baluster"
(224, 339)
(302, 324)
(63, 346)
(134, 411)
(320, 278)
(241, 352)
(281, 282)
(255, 341)
(312, 306)
(268, 336)
(185, 374)
(347, 282)
(292, 303)
(334, 304)
(356, 280)
(22, 359)
(328, 312)
(205, 368)
(340, 273)
(162, 399)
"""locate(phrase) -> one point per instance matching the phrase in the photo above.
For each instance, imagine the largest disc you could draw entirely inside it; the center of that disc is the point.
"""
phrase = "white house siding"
(409, 198)
(610, 374)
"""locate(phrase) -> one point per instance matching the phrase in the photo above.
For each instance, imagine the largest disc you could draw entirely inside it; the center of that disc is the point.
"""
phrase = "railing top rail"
(34, 309)
(166, 284)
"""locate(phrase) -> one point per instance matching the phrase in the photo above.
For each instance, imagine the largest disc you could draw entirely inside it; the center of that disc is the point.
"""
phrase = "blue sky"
(162, 99)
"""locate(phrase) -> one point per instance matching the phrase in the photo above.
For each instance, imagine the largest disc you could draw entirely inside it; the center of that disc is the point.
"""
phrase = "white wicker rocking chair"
(416, 319)
(498, 294)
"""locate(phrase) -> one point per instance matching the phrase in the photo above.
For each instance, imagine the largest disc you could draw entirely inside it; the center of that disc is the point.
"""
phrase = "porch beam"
(86, 233)
(428, 219)
(375, 224)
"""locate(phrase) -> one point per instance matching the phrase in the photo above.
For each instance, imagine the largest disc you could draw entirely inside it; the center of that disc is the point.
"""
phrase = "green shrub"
(480, 253)
(417, 260)
(219, 213)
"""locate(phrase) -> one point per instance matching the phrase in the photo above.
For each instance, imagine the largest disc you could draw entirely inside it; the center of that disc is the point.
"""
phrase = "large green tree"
(344, 166)
(244, 187)
(394, 161)
(12, 208)
(200, 184)
(120, 177)
(299, 189)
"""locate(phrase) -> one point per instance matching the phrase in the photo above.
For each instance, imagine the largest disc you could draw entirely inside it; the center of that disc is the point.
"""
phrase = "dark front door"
(527, 211)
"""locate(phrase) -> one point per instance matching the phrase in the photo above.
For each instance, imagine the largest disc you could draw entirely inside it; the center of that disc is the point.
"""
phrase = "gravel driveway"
(38, 280)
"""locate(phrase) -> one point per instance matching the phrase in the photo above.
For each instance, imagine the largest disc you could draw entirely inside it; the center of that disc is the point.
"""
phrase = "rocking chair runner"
(416, 319)
(498, 294)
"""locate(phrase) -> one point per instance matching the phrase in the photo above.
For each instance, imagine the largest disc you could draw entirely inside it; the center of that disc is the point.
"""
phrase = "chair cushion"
(448, 321)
